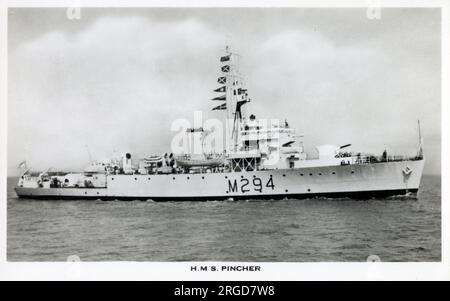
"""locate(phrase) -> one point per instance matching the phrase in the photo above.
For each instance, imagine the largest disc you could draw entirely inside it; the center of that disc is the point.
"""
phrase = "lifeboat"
(206, 162)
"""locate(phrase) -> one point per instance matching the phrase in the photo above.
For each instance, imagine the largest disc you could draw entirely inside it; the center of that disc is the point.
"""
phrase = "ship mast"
(235, 95)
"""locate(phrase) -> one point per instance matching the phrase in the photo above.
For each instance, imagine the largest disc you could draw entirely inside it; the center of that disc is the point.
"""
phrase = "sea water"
(308, 230)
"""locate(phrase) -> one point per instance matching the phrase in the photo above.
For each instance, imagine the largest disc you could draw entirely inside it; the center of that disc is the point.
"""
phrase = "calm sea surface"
(290, 230)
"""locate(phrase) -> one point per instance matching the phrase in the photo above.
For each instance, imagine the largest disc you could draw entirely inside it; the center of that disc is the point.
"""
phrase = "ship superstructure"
(261, 159)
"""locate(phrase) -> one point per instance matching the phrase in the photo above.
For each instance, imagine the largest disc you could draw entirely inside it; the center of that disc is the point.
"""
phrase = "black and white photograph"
(226, 134)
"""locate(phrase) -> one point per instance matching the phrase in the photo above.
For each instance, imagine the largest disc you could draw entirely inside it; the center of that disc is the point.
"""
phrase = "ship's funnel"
(126, 163)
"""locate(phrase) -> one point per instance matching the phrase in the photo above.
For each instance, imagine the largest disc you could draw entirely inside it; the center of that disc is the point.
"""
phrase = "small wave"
(230, 200)
(355, 246)
(256, 201)
(407, 196)
(419, 249)
(267, 232)
(295, 226)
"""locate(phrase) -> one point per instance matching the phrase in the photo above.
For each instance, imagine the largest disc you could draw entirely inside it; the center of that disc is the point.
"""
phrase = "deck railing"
(364, 159)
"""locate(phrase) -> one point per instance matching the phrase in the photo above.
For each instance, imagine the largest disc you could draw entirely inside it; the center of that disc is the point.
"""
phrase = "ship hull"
(363, 181)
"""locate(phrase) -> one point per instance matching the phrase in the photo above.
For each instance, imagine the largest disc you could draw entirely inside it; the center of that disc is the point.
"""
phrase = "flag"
(22, 164)
(225, 58)
(221, 107)
(226, 68)
(194, 130)
(221, 89)
(223, 97)
(222, 80)
(241, 91)
(239, 104)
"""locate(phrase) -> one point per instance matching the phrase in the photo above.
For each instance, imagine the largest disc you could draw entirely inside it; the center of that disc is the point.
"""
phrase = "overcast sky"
(116, 78)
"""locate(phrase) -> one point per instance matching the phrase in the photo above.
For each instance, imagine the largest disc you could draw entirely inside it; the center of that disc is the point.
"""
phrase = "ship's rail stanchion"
(361, 160)
(380, 159)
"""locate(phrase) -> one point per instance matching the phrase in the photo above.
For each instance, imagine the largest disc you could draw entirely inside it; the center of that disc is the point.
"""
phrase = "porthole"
(310, 174)
(85, 192)
(135, 179)
(242, 177)
(301, 174)
(353, 171)
(148, 178)
(203, 177)
(188, 178)
(284, 175)
(112, 178)
(98, 192)
(286, 190)
(226, 177)
(173, 178)
(333, 173)
(320, 173)
(309, 189)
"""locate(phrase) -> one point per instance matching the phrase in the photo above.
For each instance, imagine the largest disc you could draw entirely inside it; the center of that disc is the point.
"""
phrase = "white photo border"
(269, 271)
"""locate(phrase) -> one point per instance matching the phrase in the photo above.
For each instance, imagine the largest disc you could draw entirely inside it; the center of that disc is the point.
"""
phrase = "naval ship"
(260, 161)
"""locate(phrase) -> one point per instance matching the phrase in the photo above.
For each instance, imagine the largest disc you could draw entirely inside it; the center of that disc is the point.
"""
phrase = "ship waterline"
(357, 180)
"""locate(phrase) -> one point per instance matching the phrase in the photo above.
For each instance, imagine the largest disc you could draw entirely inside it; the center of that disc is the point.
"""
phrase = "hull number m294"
(245, 185)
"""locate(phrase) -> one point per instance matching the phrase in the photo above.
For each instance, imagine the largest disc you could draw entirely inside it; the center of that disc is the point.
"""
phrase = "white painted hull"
(365, 180)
